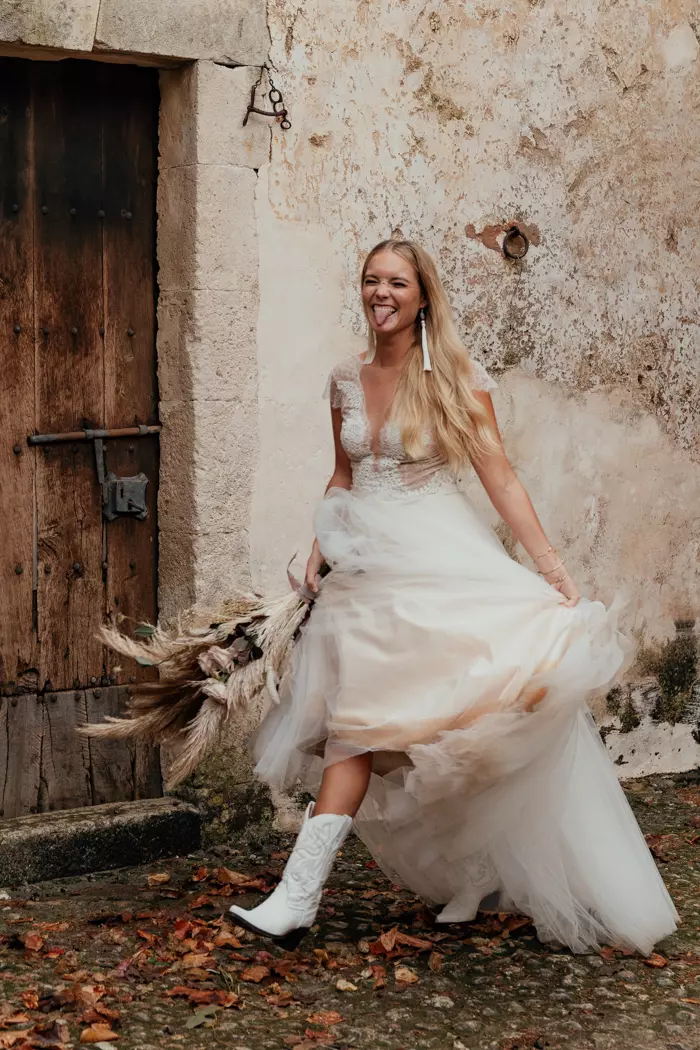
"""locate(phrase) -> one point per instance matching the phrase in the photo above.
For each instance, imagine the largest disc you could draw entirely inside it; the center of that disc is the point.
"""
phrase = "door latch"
(120, 496)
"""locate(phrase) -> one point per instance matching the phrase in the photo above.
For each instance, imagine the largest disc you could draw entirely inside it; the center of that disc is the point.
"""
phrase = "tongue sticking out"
(382, 313)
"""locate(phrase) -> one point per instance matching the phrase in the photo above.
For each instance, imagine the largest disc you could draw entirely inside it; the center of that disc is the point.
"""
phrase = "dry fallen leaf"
(225, 939)
(435, 961)
(255, 974)
(15, 1019)
(158, 879)
(405, 975)
(345, 986)
(226, 877)
(8, 1039)
(325, 1019)
(655, 960)
(695, 1002)
(98, 1033)
(33, 942)
(200, 875)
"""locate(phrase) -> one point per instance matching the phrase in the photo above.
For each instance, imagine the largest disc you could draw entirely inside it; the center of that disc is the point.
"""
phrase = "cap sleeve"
(481, 380)
(332, 393)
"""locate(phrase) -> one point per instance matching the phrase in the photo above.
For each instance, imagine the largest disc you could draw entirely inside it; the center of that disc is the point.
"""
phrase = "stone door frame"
(207, 314)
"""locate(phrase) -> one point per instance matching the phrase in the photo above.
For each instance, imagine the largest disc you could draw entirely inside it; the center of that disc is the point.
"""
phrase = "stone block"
(177, 122)
(229, 30)
(226, 229)
(226, 451)
(223, 558)
(66, 24)
(207, 234)
(206, 345)
(176, 510)
(96, 838)
(177, 221)
(223, 95)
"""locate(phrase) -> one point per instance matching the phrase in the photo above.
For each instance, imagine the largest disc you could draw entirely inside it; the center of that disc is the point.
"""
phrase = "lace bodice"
(387, 470)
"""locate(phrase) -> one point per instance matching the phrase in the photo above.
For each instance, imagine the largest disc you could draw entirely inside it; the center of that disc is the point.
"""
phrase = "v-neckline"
(374, 439)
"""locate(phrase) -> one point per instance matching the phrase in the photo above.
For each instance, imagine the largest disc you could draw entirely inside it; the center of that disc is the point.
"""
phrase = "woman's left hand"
(569, 590)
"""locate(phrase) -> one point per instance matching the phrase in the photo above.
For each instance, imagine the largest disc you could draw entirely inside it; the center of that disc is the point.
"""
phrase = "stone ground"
(143, 958)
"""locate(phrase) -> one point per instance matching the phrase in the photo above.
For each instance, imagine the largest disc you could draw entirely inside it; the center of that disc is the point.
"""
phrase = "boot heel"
(292, 940)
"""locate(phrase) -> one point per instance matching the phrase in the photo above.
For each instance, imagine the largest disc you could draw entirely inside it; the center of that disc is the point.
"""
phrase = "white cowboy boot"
(286, 915)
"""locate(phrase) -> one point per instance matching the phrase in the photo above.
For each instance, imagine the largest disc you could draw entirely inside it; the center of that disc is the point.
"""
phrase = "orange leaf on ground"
(14, 1019)
(182, 928)
(388, 939)
(150, 938)
(33, 942)
(226, 877)
(379, 975)
(98, 1033)
(655, 960)
(194, 959)
(8, 1039)
(279, 999)
(695, 1002)
(203, 901)
(255, 974)
(313, 1038)
(413, 942)
(435, 961)
(205, 997)
(30, 999)
(158, 879)
(225, 939)
(200, 875)
(325, 1019)
(405, 975)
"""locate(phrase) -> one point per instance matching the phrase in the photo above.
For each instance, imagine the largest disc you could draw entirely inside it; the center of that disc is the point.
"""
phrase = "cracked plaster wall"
(443, 122)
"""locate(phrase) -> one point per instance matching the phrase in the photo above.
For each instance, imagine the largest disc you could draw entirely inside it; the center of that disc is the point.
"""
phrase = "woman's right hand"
(313, 569)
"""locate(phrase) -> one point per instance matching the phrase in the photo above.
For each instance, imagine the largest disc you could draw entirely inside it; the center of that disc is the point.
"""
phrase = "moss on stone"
(675, 666)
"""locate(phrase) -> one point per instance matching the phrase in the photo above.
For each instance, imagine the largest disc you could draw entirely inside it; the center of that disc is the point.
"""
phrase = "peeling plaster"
(449, 123)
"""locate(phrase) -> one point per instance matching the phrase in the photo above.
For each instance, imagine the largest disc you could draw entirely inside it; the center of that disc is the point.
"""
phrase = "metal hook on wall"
(275, 96)
(515, 243)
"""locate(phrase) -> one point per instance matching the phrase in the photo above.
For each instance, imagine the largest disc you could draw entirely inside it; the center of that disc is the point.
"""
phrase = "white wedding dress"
(466, 676)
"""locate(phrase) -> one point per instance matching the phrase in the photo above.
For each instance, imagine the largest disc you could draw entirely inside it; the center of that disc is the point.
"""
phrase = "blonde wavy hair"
(442, 400)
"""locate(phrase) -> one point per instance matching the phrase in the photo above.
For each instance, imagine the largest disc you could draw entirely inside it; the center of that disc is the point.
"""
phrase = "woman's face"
(391, 294)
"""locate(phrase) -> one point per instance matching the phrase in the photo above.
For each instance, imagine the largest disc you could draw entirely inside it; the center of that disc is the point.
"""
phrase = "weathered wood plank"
(130, 121)
(21, 724)
(65, 756)
(69, 312)
(17, 639)
(119, 770)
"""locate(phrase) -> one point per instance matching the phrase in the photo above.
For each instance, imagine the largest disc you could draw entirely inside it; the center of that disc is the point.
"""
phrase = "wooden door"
(78, 156)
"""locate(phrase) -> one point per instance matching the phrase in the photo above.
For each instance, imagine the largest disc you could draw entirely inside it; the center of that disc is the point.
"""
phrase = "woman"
(438, 692)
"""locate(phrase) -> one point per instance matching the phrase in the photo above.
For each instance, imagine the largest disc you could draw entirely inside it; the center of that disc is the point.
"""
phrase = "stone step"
(96, 838)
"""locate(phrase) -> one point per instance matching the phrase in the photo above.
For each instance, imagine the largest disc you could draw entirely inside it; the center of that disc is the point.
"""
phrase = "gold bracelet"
(550, 550)
(548, 572)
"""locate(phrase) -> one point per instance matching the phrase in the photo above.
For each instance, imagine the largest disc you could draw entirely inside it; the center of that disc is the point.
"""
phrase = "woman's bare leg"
(344, 785)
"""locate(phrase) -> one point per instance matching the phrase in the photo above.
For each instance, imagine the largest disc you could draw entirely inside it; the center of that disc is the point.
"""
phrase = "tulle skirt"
(466, 677)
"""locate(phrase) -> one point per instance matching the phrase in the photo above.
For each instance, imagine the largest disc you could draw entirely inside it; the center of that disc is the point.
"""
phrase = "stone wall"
(446, 123)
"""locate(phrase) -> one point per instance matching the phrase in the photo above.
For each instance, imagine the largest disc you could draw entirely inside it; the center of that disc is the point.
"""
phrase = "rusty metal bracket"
(275, 96)
(120, 496)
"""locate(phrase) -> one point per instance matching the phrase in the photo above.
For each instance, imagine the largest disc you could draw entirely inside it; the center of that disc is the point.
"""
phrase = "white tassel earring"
(427, 366)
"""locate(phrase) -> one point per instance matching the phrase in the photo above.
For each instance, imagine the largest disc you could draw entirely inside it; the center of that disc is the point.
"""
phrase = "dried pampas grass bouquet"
(207, 672)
